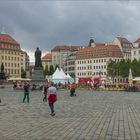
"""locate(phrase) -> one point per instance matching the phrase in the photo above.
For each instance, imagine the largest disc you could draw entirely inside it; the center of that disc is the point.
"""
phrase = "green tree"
(23, 73)
(123, 68)
(111, 68)
(51, 71)
(46, 70)
(135, 66)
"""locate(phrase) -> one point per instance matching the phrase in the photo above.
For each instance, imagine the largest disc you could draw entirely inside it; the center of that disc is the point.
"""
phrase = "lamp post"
(93, 79)
(100, 73)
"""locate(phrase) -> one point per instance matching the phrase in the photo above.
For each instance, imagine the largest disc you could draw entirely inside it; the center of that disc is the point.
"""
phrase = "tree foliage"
(51, 71)
(122, 67)
(46, 70)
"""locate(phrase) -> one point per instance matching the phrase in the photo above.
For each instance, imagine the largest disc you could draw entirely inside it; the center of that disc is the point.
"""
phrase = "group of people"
(49, 94)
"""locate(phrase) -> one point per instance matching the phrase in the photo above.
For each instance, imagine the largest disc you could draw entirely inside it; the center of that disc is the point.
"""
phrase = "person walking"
(52, 97)
(45, 92)
(72, 89)
(15, 85)
(26, 92)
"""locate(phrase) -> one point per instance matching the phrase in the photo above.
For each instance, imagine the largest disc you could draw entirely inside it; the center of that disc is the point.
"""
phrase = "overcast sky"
(49, 23)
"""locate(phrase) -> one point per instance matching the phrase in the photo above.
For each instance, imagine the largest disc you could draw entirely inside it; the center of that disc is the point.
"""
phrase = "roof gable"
(138, 40)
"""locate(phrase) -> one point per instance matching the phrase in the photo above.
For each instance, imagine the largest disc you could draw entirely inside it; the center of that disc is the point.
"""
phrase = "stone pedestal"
(38, 75)
(2, 76)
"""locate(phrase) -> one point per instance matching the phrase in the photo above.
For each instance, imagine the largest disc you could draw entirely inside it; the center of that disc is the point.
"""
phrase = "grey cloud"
(46, 23)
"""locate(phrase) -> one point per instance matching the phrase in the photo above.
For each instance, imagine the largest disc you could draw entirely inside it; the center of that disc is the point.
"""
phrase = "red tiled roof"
(7, 38)
(47, 56)
(66, 47)
(99, 51)
(138, 40)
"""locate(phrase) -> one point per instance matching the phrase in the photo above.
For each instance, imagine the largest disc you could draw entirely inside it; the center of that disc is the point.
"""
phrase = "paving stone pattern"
(91, 115)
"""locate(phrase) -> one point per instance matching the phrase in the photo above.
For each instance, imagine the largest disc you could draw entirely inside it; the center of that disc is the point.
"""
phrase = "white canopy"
(18, 79)
(136, 79)
(59, 76)
(56, 74)
(62, 74)
(69, 78)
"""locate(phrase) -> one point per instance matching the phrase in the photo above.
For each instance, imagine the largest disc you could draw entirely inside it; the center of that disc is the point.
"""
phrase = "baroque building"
(91, 61)
(11, 56)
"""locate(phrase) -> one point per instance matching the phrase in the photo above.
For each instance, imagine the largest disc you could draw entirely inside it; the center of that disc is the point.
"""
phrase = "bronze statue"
(38, 58)
(2, 67)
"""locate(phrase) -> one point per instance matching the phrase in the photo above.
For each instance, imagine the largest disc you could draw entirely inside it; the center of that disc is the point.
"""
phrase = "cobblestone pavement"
(97, 115)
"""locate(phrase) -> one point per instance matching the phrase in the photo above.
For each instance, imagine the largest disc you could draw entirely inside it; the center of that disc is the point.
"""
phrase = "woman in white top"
(52, 98)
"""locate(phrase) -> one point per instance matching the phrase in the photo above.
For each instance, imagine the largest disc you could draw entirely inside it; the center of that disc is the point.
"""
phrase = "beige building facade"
(60, 54)
(135, 51)
(10, 55)
(91, 62)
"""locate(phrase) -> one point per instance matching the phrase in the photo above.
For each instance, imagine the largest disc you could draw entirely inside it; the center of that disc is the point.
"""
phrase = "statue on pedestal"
(38, 69)
(38, 58)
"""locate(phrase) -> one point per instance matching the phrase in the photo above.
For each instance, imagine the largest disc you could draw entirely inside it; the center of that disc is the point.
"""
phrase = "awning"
(18, 79)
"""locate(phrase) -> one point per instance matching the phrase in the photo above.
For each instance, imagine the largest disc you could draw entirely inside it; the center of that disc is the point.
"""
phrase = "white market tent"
(60, 76)
(55, 74)
(69, 78)
(136, 79)
(62, 73)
